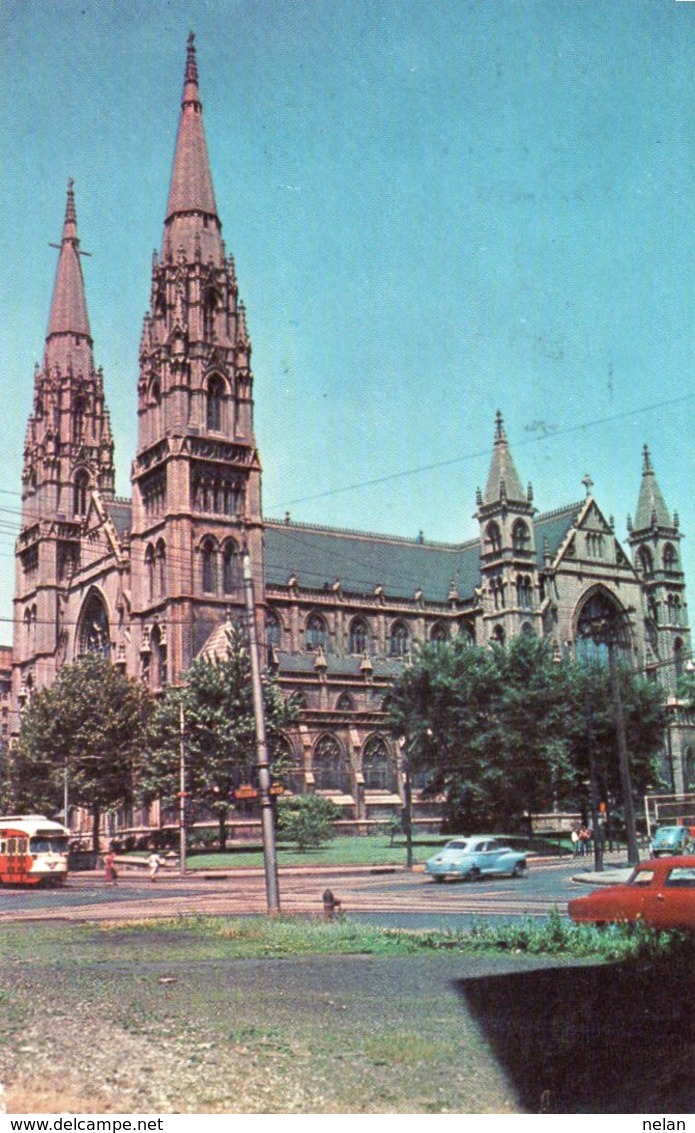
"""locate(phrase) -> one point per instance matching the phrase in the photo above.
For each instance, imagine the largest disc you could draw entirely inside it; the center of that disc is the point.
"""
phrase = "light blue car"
(472, 858)
(671, 840)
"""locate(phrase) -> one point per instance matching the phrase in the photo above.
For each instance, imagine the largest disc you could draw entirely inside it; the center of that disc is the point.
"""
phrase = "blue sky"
(436, 209)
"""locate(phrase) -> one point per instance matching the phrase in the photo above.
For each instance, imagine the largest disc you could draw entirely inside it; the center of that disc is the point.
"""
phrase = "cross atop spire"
(647, 459)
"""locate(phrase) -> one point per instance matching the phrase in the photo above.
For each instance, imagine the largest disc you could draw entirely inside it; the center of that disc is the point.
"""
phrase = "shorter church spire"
(651, 506)
(503, 478)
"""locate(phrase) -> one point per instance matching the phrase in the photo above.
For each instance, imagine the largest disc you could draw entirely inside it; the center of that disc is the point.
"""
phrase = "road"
(387, 897)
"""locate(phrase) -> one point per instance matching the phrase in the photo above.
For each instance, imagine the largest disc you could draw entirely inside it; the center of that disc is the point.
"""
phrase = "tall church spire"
(191, 221)
(68, 339)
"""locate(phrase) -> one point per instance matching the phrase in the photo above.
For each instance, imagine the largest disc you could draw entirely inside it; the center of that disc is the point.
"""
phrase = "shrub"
(307, 820)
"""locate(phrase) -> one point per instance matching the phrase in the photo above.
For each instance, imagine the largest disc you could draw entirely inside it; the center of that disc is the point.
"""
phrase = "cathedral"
(152, 581)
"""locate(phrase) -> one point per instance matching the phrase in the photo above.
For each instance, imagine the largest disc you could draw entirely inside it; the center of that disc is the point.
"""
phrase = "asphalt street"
(387, 897)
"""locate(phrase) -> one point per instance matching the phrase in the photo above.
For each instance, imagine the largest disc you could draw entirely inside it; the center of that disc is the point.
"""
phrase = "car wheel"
(437, 878)
(519, 869)
(474, 874)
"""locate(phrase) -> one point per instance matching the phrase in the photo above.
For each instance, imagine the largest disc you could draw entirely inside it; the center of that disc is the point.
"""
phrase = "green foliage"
(504, 732)
(92, 720)
(306, 820)
(220, 734)
(590, 720)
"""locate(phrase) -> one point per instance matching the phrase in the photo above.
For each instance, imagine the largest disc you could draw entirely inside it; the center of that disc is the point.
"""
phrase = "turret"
(507, 545)
(654, 537)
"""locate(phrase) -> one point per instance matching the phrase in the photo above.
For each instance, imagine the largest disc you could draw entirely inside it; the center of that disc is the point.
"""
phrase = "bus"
(33, 851)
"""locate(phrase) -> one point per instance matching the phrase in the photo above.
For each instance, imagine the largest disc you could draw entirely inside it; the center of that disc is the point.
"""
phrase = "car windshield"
(669, 834)
(44, 845)
(458, 844)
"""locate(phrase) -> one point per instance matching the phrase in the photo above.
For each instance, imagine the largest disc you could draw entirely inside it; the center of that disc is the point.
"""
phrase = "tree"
(503, 731)
(307, 820)
(89, 725)
(591, 720)
(220, 734)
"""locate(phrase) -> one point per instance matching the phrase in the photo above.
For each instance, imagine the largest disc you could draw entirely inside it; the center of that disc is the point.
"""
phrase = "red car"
(660, 893)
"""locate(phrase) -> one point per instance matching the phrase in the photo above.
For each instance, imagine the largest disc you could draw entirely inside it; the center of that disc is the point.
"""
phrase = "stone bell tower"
(196, 475)
(68, 455)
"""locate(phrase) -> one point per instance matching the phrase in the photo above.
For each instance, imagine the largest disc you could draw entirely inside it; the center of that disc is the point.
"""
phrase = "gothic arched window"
(521, 539)
(93, 628)
(670, 557)
(208, 561)
(78, 420)
(399, 640)
(331, 772)
(345, 703)
(231, 568)
(215, 402)
(161, 568)
(359, 635)
(645, 563)
(273, 628)
(316, 635)
(149, 572)
(498, 635)
(524, 591)
(80, 490)
(439, 634)
(493, 538)
(600, 622)
(377, 766)
(678, 657)
(158, 663)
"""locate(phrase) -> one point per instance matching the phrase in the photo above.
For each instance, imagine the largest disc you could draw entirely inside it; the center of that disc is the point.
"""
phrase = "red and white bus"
(33, 851)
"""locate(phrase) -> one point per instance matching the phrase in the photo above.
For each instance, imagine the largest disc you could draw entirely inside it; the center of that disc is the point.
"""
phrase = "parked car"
(660, 893)
(472, 858)
(671, 840)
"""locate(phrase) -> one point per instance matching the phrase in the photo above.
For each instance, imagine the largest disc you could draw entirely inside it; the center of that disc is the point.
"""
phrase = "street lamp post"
(263, 763)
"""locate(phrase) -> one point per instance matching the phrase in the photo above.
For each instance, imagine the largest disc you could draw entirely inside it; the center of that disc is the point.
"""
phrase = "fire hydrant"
(330, 905)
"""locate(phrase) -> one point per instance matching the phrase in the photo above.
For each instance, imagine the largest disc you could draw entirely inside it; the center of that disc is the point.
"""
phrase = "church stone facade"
(151, 582)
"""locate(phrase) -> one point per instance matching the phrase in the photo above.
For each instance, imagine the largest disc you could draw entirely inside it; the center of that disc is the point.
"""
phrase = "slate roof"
(320, 556)
(553, 527)
(121, 515)
(317, 557)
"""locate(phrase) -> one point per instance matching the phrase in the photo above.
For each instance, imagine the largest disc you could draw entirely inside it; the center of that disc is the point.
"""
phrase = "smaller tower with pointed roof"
(507, 546)
(655, 537)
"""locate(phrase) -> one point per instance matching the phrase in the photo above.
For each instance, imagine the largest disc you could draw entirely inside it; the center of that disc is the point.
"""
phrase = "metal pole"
(182, 791)
(408, 813)
(263, 764)
(598, 830)
(66, 799)
(623, 758)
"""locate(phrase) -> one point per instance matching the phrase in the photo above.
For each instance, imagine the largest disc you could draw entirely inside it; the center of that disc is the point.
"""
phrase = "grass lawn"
(370, 850)
(282, 1015)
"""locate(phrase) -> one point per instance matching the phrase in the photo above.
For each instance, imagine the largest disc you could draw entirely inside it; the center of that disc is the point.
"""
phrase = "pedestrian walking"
(586, 835)
(110, 871)
(574, 836)
(154, 863)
